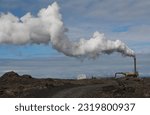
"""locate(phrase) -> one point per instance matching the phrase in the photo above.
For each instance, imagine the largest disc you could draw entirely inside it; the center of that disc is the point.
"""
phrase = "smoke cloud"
(48, 27)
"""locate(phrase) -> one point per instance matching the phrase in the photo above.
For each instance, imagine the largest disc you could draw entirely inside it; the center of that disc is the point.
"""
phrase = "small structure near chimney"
(129, 74)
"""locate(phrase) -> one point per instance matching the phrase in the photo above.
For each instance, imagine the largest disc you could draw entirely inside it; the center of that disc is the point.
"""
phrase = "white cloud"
(112, 10)
(107, 15)
(136, 33)
(87, 16)
(137, 37)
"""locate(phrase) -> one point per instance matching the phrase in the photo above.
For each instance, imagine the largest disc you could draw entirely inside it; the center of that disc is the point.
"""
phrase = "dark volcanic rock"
(14, 85)
(10, 75)
(27, 76)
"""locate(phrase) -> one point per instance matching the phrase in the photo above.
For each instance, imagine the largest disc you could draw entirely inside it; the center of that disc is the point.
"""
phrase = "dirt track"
(82, 91)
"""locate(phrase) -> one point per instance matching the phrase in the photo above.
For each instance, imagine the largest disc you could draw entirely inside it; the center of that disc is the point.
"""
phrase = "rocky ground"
(14, 85)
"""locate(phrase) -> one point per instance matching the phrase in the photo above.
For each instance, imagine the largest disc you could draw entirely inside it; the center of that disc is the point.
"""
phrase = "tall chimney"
(135, 65)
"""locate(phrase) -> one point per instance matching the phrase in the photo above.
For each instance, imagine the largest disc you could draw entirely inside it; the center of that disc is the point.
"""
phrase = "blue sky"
(127, 20)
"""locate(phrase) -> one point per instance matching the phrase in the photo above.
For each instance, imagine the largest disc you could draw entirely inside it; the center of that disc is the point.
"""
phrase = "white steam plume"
(48, 27)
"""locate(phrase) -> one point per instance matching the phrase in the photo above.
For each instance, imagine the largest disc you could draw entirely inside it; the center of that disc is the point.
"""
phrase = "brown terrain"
(13, 85)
